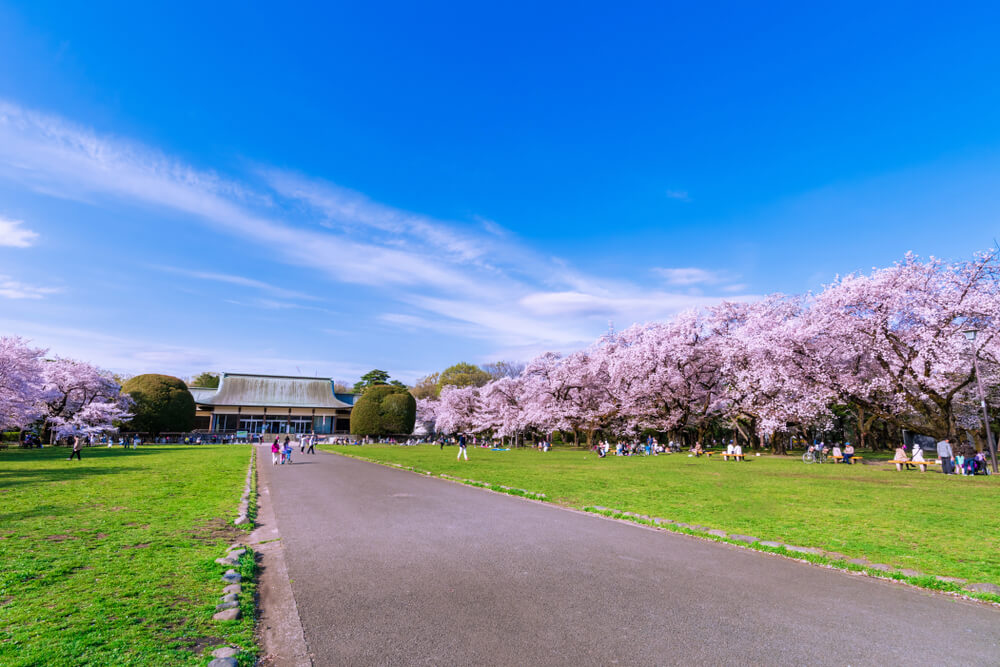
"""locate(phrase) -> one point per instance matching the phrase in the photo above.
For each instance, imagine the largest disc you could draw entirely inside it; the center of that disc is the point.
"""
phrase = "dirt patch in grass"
(59, 538)
(216, 529)
(200, 644)
(136, 546)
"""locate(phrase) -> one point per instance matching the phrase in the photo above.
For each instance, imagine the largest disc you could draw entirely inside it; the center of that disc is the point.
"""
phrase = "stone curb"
(228, 608)
(243, 508)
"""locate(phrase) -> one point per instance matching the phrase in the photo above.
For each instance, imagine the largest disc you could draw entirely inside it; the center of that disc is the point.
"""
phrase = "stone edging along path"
(241, 562)
(983, 592)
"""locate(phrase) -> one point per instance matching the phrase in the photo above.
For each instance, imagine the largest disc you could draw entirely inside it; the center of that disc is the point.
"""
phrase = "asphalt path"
(393, 568)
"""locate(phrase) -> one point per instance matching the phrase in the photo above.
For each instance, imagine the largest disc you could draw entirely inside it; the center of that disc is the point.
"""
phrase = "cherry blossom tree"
(22, 389)
(457, 410)
(767, 394)
(667, 375)
(426, 416)
(892, 342)
(81, 399)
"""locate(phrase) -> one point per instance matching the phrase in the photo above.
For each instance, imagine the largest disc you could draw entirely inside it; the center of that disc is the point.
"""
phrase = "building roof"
(280, 391)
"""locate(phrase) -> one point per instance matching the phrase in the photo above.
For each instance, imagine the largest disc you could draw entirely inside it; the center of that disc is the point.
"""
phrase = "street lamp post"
(971, 336)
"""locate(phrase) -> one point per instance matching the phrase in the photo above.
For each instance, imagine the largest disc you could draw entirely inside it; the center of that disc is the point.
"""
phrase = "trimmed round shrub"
(399, 413)
(162, 404)
(384, 410)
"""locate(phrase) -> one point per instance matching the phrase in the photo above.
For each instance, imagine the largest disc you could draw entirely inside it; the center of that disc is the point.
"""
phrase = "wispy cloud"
(12, 289)
(347, 210)
(679, 195)
(236, 280)
(13, 235)
(691, 276)
(476, 276)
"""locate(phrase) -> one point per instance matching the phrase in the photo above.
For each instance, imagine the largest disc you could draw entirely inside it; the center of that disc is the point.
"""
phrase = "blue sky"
(330, 189)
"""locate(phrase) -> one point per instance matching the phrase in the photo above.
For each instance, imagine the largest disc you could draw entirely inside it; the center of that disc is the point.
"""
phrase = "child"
(275, 452)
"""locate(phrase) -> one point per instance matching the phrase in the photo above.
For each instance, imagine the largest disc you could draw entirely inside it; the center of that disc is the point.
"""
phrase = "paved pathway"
(393, 568)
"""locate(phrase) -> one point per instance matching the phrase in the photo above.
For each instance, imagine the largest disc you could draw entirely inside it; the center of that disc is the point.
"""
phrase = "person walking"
(275, 453)
(461, 449)
(76, 449)
(288, 450)
(312, 444)
(944, 453)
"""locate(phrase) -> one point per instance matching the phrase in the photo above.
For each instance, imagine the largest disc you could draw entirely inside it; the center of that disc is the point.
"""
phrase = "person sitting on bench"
(848, 453)
(901, 459)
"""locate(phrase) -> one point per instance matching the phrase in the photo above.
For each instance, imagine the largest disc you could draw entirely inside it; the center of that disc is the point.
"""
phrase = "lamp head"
(970, 334)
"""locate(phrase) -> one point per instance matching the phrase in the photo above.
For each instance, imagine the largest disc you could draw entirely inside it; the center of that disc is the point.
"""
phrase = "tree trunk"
(779, 443)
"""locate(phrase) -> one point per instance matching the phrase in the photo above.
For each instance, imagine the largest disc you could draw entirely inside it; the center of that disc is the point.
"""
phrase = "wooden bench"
(923, 464)
(726, 455)
(838, 459)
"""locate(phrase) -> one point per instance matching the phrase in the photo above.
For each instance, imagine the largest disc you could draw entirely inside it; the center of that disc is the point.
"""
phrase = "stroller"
(976, 465)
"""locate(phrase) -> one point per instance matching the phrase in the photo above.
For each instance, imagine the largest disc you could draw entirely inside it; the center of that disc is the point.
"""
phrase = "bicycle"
(814, 455)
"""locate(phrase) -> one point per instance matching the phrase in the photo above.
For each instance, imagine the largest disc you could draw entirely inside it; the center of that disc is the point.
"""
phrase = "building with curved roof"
(272, 404)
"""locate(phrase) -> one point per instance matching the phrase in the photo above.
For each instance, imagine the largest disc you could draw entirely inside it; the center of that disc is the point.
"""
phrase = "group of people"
(840, 454)
(960, 459)
(281, 452)
(648, 447)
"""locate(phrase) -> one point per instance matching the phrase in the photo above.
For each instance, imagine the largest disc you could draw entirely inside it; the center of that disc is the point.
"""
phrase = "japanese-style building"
(272, 404)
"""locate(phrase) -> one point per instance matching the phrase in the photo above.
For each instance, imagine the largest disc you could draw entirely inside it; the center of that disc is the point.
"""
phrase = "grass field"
(110, 560)
(928, 522)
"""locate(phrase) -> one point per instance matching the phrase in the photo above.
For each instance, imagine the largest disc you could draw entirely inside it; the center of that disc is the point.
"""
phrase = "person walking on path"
(312, 444)
(944, 453)
(275, 453)
(288, 450)
(461, 449)
(76, 449)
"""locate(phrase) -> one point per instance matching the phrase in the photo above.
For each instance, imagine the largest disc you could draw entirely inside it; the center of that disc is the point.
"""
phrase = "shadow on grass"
(56, 453)
(32, 512)
(55, 468)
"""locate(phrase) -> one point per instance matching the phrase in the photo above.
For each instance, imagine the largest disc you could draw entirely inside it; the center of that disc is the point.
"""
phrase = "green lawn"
(928, 522)
(110, 560)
